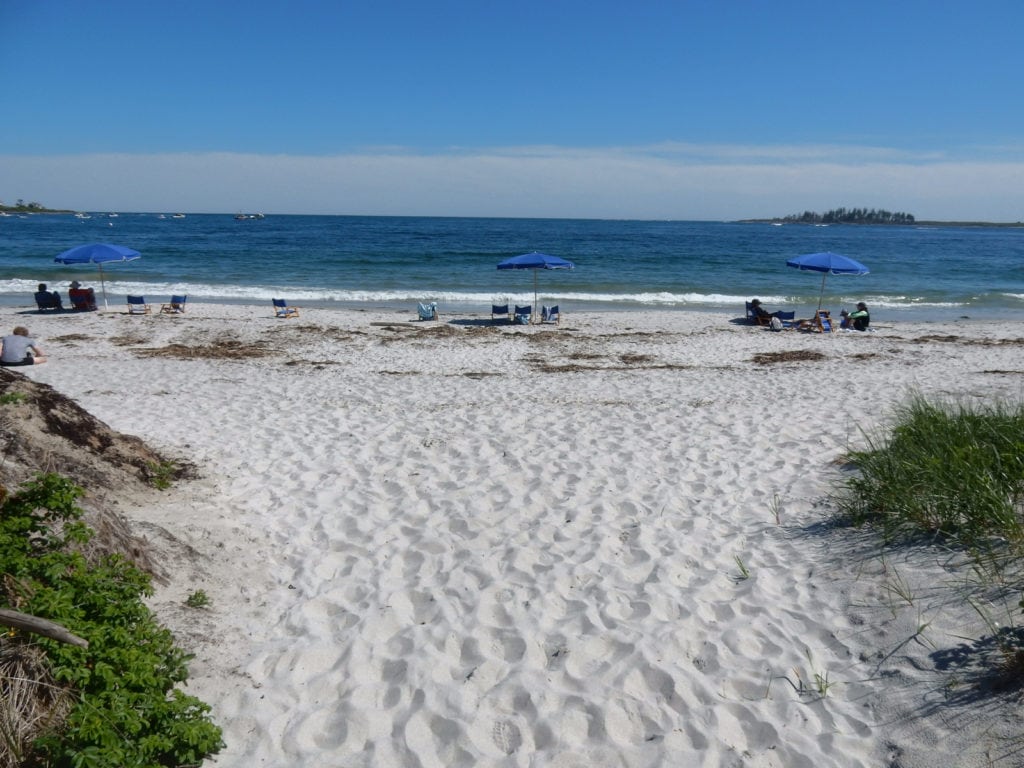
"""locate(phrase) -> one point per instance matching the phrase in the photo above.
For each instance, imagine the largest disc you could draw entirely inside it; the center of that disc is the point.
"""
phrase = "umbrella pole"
(821, 295)
(536, 309)
(103, 287)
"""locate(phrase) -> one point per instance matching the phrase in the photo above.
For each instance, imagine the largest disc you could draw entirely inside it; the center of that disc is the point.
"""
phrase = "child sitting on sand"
(19, 349)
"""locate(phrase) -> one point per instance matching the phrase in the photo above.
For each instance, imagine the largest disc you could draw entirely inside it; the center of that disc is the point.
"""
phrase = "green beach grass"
(945, 469)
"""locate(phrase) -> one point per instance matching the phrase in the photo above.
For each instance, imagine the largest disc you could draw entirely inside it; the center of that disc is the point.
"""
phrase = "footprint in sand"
(506, 736)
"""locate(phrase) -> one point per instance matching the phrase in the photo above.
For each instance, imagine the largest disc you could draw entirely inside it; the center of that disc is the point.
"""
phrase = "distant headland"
(22, 207)
(871, 216)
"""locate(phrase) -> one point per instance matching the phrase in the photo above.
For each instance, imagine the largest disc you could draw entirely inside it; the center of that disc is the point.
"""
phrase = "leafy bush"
(129, 711)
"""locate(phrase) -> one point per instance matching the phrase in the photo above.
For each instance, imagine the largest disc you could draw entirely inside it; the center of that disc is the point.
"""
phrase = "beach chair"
(46, 300)
(550, 315)
(281, 309)
(137, 305)
(82, 299)
(823, 321)
(788, 319)
(176, 306)
(427, 311)
(500, 312)
(522, 315)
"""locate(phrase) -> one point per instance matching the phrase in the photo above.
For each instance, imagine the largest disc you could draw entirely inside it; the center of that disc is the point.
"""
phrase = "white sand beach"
(603, 543)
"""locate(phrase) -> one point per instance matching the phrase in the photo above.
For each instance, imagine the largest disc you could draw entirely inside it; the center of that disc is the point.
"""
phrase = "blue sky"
(684, 110)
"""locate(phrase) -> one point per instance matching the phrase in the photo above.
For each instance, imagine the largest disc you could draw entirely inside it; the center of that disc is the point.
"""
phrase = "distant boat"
(178, 216)
(111, 215)
(82, 216)
(240, 217)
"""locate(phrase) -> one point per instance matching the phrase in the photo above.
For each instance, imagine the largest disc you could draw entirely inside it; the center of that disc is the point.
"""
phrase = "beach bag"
(775, 324)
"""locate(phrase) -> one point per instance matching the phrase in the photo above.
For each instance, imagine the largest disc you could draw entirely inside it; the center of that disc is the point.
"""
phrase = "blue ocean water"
(395, 261)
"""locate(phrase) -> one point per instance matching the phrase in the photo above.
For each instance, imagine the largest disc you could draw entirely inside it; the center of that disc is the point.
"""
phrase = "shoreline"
(467, 545)
(452, 310)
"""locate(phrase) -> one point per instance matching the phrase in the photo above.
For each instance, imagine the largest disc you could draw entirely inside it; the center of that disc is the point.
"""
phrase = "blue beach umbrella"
(535, 261)
(827, 263)
(98, 254)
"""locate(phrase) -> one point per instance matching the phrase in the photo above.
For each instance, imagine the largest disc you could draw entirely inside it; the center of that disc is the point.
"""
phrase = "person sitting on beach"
(19, 349)
(45, 299)
(81, 298)
(761, 315)
(859, 320)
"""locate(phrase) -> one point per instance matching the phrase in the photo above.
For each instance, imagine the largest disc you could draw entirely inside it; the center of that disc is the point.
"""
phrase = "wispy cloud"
(671, 180)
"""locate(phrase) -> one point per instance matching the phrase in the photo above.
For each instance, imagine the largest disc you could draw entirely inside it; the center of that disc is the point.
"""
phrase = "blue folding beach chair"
(500, 312)
(137, 305)
(427, 311)
(175, 306)
(281, 309)
(550, 315)
(824, 321)
(522, 315)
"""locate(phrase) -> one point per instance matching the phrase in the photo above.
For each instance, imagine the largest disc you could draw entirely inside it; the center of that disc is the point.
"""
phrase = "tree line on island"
(851, 216)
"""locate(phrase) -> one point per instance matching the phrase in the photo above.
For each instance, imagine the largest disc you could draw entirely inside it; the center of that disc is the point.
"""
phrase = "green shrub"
(128, 710)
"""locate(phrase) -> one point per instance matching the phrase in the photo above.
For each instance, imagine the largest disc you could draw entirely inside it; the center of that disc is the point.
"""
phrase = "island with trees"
(32, 207)
(844, 216)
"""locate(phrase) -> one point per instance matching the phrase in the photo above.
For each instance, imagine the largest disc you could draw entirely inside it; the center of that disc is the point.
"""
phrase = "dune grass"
(950, 470)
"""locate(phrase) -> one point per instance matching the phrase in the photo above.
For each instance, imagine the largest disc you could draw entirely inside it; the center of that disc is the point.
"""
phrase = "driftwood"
(39, 626)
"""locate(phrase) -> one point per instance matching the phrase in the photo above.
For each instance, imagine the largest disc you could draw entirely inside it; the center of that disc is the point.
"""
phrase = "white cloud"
(669, 181)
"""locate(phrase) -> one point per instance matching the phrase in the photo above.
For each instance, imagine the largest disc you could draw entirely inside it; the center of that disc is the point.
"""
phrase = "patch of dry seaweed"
(230, 349)
(952, 339)
(129, 340)
(629, 363)
(72, 338)
(792, 356)
(314, 363)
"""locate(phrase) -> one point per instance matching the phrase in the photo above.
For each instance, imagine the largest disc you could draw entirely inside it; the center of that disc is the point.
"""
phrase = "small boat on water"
(178, 216)
(82, 216)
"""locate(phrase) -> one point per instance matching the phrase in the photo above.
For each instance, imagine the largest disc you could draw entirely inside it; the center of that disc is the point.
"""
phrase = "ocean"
(931, 272)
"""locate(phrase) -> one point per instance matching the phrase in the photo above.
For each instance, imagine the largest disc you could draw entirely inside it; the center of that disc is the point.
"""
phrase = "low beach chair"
(823, 321)
(175, 306)
(427, 311)
(82, 299)
(281, 309)
(522, 315)
(550, 315)
(788, 319)
(500, 312)
(137, 305)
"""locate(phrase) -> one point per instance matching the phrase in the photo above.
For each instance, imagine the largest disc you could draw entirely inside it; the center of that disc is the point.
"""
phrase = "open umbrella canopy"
(535, 261)
(98, 254)
(827, 263)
